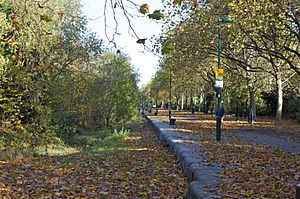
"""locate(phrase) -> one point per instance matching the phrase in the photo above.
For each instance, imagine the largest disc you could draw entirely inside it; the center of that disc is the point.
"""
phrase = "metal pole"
(170, 94)
(298, 191)
(143, 104)
(156, 113)
(218, 90)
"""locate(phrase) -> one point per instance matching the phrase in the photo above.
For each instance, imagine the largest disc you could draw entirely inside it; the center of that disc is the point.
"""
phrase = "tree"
(259, 46)
(270, 36)
(42, 41)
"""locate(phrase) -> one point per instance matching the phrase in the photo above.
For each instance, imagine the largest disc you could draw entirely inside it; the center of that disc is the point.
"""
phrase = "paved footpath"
(276, 142)
(186, 149)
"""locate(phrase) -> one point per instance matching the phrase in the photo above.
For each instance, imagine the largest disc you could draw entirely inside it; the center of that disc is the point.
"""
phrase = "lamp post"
(219, 87)
(143, 104)
(156, 99)
(170, 94)
(167, 48)
(157, 83)
(156, 103)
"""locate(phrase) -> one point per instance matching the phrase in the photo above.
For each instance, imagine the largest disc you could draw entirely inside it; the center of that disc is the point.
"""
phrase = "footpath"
(187, 147)
(277, 142)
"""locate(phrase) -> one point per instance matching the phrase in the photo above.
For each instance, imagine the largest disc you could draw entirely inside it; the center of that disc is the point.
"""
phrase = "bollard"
(298, 191)
(172, 121)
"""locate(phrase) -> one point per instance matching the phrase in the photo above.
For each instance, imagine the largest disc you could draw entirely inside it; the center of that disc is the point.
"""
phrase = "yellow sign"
(219, 74)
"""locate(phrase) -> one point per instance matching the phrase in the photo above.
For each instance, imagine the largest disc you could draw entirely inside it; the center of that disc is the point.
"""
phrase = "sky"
(144, 62)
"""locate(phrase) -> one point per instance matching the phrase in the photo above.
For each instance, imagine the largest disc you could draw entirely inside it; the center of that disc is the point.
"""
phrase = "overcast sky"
(144, 62)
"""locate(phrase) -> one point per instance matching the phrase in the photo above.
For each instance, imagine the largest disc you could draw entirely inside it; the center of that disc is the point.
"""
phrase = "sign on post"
(219, 78)
(219, 74)
(219, 84)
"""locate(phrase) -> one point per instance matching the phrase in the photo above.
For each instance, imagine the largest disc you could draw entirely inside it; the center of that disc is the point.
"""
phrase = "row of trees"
(55, 76)
(260, 55)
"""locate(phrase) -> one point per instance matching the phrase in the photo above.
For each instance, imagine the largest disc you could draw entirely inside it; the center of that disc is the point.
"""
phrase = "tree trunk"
(182, 101)
(252, 110)
(278, 120)
(192, 106)
(237, 110)
(191, 102)
(252, 107)
(200, 100)
(204, 105)
(177, 102)
(186, 102)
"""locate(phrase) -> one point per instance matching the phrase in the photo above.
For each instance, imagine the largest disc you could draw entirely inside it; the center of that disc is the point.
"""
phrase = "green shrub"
(117, 135)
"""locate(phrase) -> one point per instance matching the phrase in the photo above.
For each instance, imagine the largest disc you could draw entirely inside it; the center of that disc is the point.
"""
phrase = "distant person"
(222, 111)
(193, 109)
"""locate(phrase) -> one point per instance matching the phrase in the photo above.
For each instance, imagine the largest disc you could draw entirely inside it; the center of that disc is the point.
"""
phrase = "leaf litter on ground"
(251, 170)
(141, 168)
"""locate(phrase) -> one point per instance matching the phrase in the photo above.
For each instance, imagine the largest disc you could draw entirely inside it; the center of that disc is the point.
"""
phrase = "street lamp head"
(226, 20)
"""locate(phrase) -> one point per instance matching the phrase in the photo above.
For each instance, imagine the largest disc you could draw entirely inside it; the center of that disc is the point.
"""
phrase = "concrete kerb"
(175, 146)
(167, 139)
(205, 175)
(157, 130)
(162, 137)
(182, 149)
(196, 191)
(185, 164)
(190, 162)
